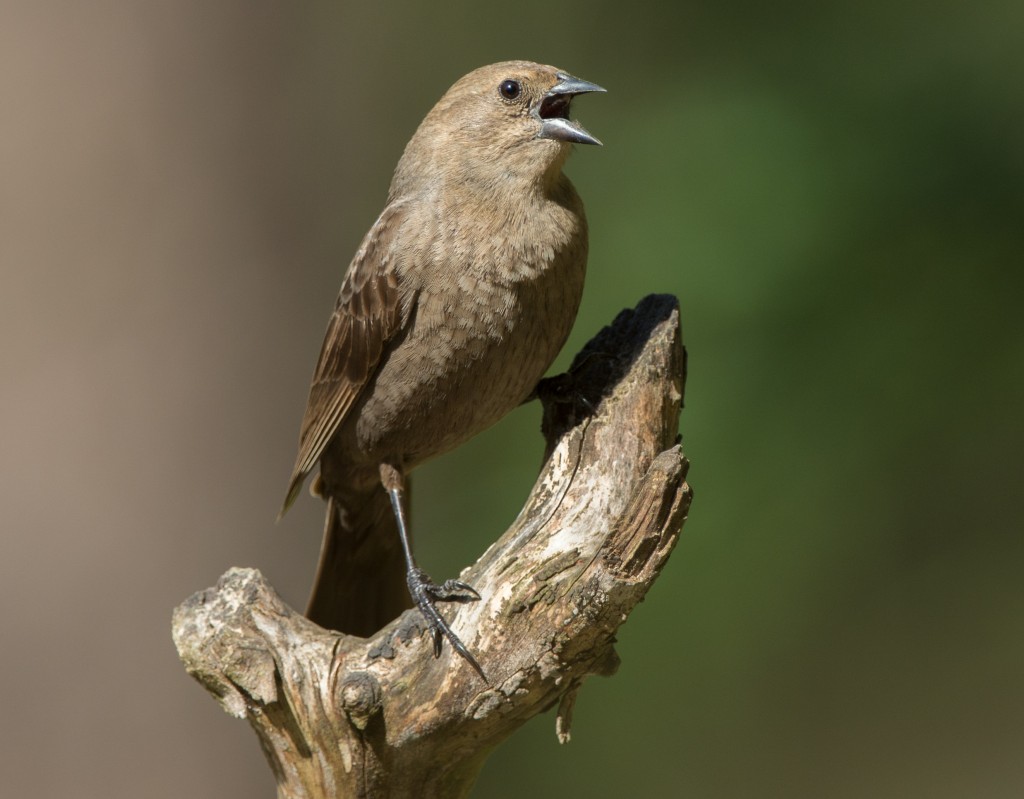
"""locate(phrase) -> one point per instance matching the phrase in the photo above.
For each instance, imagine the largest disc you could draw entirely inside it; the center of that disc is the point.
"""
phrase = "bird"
(454, 306)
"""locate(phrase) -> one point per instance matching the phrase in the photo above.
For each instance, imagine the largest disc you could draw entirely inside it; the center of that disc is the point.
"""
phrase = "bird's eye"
(509, 89)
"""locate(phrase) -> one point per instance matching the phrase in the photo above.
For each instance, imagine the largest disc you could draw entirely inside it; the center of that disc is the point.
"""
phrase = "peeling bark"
(340, 716)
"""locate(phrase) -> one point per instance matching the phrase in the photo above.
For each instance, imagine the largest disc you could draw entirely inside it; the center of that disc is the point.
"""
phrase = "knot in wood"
(359, 696)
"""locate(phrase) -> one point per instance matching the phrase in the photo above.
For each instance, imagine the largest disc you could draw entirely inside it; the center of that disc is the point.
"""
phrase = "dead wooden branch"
(339, 716)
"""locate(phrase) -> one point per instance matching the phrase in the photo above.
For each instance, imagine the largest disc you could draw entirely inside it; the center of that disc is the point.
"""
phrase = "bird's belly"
(468, 359)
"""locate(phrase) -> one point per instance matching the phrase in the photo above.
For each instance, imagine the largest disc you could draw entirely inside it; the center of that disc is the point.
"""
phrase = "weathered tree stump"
(340, 716)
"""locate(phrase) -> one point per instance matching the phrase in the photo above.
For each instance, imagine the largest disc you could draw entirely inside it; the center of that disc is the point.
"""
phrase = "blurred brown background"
(835, 193)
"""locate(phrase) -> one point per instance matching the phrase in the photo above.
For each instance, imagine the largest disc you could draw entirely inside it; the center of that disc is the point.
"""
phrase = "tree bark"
(340, 716)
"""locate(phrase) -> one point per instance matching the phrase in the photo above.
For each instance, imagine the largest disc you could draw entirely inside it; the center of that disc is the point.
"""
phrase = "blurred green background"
(835, 192)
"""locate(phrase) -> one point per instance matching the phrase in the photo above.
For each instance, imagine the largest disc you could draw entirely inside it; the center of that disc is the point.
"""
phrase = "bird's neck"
(482, 171)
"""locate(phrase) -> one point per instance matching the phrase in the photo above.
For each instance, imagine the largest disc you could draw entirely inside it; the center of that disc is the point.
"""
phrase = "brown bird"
(456, 303)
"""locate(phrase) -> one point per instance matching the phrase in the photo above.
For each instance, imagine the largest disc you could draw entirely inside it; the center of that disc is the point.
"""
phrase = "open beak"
(553, 111)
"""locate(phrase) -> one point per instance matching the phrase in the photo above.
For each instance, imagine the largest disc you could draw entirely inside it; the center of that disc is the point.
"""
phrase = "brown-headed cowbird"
(457, 301)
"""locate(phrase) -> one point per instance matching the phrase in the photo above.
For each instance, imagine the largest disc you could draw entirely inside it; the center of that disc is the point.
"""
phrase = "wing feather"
(366, 317)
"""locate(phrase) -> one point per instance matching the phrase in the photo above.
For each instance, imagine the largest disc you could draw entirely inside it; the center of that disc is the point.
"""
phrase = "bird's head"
(510, 119)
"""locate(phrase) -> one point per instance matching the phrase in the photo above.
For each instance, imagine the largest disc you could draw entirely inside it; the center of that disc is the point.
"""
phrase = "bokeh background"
(835, 191)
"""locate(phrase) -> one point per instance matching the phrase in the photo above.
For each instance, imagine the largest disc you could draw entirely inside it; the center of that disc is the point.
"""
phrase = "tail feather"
(360, 582)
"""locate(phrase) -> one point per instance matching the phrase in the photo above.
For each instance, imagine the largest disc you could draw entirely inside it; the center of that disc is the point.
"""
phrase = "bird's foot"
(425, 593)
(562, 390)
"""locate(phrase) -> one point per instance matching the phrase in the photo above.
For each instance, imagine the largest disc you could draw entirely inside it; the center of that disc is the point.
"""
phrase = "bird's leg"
(424, 592)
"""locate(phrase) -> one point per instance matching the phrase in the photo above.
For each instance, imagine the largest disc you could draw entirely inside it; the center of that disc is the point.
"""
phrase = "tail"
(360, 583)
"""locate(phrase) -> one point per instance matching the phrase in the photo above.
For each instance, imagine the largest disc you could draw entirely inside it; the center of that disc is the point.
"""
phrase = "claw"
(561, 390)
(425, 593)
(454, 591)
